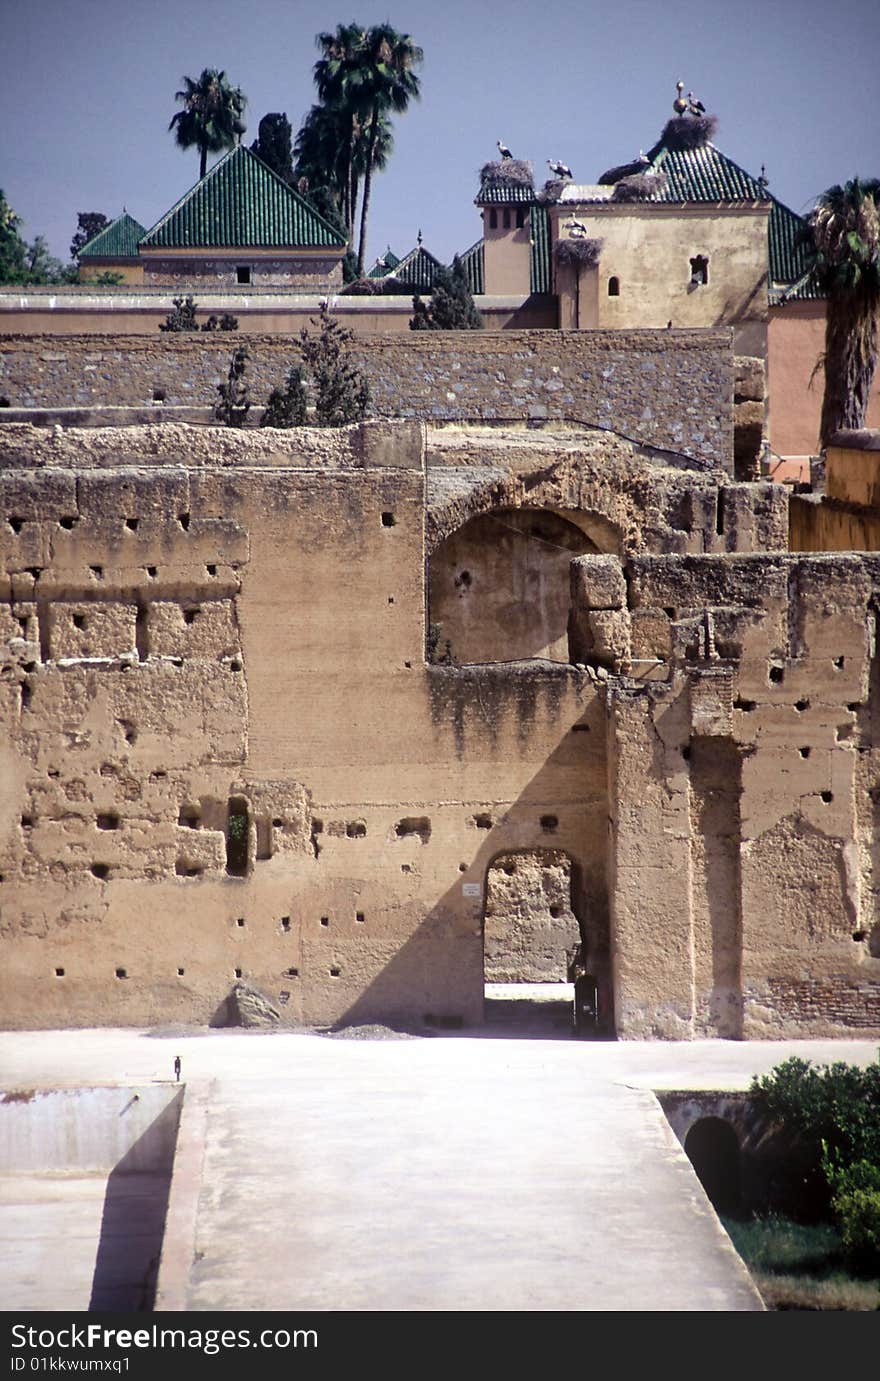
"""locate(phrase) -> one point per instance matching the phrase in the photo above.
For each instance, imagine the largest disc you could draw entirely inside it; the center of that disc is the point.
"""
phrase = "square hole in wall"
(122, 973)
(359, 917)
(59, 973)
(237, 973)
(389, 520)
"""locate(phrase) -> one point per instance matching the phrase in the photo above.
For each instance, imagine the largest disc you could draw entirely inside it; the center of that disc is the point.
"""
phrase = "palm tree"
(211, 116)
(388, 83)
(365, 75)
(845, 234)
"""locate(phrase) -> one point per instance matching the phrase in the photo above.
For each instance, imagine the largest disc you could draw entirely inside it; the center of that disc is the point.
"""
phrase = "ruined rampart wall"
(670, 389)
(743, 782)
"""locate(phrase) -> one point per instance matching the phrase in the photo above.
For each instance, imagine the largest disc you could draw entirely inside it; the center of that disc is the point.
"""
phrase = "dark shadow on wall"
(444, 955)
(133, 1220)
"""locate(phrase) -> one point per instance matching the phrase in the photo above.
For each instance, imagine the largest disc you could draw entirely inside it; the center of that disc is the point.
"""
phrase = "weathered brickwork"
(668, 389)
(260, 724)
(312, 275)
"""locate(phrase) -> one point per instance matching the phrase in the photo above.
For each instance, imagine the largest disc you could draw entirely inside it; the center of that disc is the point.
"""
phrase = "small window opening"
(27, 822)
(549, 823)
(493, 219)
(325, 921)
(801, 705)
(101, 870)
(359, 917)
(699, 271)
(482, 821)
(190, 615)
(334, 973)
(121, 973)
(506, 218)
(292, 973)
(59, 973)
(614, 287)
(388, 520)
(152, 571)
(237, 972)
(356, 829)
(158, 395)
(16, 524)
(183, 519)
(839, 663)
(240, 922)
(211, 568)
(97, 572)
(776, 675)
(242, 273)
(804, 752)
(285, 923)
(418, 824)
(68, 521)
(79, 620)
(520, 218)
(827, 797)
(237, 834)
(110, 821)
(719, 512)
(131, 524)
(180, 973)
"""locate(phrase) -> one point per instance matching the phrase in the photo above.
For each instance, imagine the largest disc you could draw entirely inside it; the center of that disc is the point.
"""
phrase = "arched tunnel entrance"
(712, 1147)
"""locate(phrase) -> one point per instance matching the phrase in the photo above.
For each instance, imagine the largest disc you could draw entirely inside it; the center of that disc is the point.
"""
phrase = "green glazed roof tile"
(242, 204)
(539, 222)
(472, 263)
(118, 240)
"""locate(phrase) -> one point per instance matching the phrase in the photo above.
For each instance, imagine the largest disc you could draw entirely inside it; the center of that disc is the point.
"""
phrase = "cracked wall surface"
(232, 749)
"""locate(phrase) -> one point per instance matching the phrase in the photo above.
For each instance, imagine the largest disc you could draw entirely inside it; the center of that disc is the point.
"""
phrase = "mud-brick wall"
(670, 389)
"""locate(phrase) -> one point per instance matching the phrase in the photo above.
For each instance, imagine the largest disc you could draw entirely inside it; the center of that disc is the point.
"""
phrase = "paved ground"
(462, 1172)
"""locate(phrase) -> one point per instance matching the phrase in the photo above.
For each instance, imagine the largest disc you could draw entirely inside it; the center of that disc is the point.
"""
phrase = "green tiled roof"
(473, 259)
(416, 270)
(118, 240)
(472, 263)
(706, 174)
(241, 204)
(383, 266)
(504, 192)
(539, 224)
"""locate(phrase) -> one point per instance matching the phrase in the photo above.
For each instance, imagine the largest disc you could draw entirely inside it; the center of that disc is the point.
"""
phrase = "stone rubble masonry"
(669, 389)
(226, 757)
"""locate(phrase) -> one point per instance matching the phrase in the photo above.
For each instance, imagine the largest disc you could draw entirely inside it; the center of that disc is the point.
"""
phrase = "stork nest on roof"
(579, 253)
(613, 175)
(639, 187)
(508, 170)
(550, 192)
(685, 132)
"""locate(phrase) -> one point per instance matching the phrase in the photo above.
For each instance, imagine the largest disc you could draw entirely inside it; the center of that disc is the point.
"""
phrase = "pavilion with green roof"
(242, 224)
(114, 250)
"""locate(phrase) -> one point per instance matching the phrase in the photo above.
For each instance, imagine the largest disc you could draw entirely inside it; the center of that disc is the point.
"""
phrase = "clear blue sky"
(89, 90)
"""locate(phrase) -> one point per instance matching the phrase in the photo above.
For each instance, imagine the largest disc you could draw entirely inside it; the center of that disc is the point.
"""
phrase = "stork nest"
(640, 187)
(582, 254)
(614, 175)
(508, 170)
(551, 191)
(685, 132)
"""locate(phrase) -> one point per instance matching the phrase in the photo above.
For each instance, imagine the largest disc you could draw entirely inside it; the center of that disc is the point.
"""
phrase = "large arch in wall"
(499, 586)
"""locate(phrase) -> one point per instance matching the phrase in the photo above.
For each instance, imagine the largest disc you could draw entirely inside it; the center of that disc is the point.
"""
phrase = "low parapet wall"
(669, 389)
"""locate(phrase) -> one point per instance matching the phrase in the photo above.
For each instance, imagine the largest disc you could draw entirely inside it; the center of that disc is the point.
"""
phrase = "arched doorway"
(712, 1147)
(499, 587)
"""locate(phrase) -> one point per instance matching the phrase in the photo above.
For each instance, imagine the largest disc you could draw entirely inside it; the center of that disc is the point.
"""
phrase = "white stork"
(504, 150)
(695, 107)
(559, 169)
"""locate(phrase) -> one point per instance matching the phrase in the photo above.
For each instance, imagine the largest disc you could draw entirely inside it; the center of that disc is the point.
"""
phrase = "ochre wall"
(193, 617)
(648, 248)
(796, 341)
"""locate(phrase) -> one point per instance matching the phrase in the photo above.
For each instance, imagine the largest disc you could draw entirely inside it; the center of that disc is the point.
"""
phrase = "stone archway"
(530, 926)
(712, 1147)
(499, 587)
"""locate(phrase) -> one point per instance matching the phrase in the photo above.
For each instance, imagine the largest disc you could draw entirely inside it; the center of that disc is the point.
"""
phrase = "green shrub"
(341, 391)
(858, 1213)
(287, 407)
(183, 318)
(234, 403)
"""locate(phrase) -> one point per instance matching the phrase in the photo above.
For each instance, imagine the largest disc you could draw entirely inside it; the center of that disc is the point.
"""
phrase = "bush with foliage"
(89, 224)
(183, 318)
(341, 392)
(234, 403)
(227, 322)
(837, 1108)
(287, 406)
(452, 308)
